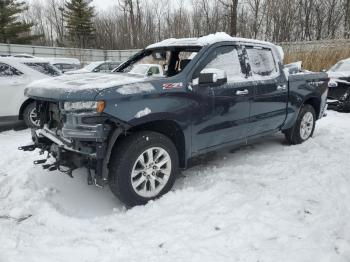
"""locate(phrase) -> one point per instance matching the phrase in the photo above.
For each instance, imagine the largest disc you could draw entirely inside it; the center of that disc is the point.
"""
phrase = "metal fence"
(84, 55)
(89, 55)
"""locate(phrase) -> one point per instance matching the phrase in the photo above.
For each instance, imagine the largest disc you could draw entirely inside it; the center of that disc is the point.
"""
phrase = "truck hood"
(78, 86)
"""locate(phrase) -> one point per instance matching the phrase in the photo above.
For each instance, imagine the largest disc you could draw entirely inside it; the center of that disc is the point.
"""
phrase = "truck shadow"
(73, 197)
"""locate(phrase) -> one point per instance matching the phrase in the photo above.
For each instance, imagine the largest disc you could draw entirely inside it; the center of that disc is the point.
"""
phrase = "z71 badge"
(172, 85)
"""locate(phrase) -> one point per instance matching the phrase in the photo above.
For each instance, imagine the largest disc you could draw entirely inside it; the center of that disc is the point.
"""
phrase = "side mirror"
(96, 70)
(212, 77)
(149, 73)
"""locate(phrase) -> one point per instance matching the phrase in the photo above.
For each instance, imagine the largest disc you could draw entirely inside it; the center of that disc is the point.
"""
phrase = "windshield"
(167, 61)
(139, 69)
(341, 66)
(44, 68)
(92, 66)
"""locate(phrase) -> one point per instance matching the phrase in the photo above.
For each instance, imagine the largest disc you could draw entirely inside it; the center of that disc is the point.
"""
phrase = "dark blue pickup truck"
(137, 127)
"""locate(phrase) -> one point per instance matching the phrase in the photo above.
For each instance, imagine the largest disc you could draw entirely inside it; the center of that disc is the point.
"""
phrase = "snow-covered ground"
(263, 202)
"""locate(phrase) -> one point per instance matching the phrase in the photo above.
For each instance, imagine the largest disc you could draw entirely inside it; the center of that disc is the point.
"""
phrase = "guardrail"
(84, 55)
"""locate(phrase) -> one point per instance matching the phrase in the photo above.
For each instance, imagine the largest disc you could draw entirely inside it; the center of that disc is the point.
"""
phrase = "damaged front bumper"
(82, 141)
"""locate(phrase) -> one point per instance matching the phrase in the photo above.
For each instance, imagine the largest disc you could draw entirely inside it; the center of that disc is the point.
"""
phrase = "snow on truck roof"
(212, 39)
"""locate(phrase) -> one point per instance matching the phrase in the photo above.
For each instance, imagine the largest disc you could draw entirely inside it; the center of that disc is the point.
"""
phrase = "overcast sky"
(100, 4)
(104, 4)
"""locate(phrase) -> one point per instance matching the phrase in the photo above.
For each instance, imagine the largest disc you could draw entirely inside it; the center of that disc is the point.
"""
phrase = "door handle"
(282, 87)
(242, 92)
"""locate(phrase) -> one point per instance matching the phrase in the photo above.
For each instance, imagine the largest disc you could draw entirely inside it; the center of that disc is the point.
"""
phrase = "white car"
(340, 69)
(23, 56)
(65, 64)
(61, 63)
(15, 75)
(97, 67)
(147, 70)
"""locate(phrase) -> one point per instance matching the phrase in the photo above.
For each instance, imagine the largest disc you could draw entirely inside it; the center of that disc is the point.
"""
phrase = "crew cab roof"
(212, 39)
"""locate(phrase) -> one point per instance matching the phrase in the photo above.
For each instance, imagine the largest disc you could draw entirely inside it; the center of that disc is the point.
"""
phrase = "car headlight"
(97, 106)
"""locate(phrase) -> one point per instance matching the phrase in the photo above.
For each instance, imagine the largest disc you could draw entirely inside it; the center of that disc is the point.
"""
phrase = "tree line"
(137, 23)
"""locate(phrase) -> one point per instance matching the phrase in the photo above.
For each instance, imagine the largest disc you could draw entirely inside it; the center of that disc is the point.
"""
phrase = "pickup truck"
(136, 133)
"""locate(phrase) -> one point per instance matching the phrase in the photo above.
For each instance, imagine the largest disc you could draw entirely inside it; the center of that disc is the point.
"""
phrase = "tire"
(142, 185)
(304, 126)
(30, 117)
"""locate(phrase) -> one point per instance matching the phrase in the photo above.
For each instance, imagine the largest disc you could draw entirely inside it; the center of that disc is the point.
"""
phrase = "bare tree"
(137, 23)
(231, 6)
(347, 19)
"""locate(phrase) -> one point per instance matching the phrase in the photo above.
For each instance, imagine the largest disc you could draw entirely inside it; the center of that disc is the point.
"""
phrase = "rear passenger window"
(6, 70)
(64, 66)
(261, 61)
(226, 58)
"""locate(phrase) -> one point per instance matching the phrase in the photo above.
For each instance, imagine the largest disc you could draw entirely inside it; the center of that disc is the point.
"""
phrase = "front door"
(223, 114)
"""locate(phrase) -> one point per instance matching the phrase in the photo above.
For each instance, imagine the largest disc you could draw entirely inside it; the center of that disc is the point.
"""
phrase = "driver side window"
(226, 58)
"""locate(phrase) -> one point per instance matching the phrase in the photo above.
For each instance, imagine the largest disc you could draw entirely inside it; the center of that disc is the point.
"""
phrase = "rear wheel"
(30, 116)
(304, 127)
(143, 167)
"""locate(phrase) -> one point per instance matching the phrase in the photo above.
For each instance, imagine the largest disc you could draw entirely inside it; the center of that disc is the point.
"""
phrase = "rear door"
(12, 84)
(224, 109)
(269, 103)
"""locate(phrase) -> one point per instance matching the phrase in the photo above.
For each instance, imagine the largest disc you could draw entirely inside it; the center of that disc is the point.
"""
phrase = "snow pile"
(264, 202)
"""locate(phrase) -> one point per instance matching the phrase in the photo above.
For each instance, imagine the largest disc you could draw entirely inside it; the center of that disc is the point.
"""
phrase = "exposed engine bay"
(72, 140)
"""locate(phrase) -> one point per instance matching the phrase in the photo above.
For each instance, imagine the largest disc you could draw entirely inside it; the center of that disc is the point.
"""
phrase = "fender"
(293, 109)
(111, 141)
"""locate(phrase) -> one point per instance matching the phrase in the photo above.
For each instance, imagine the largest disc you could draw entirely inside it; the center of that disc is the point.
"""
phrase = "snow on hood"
(91, 83)
(86, 81)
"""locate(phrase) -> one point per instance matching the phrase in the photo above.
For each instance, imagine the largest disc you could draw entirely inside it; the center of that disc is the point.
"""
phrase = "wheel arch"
(169, 128)
(315, 102)
(23, 107)
(312, 100)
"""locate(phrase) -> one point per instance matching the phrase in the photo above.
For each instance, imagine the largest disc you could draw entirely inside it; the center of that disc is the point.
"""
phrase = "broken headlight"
(85, 106)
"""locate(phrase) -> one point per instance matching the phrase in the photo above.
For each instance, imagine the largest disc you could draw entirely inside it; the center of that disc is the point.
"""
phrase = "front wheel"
(30, 116)
(143, 167)
(304, 126)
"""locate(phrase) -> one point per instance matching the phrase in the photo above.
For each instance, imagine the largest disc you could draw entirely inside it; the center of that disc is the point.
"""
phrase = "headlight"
(98, 106)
